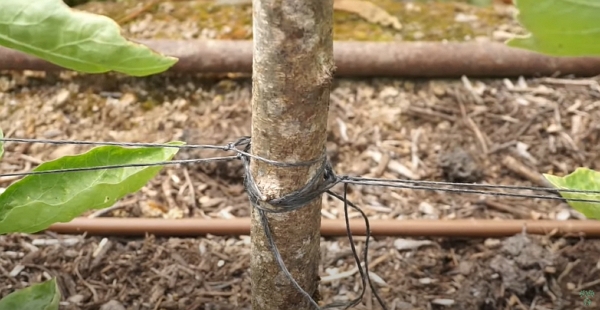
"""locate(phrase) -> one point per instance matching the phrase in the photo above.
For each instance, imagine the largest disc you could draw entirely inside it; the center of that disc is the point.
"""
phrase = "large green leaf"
(581, 179)
(37, 201)
(76, 40)
(40, 296)
(560, 27)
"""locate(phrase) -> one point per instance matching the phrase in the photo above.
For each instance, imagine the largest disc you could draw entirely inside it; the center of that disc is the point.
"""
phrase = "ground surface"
(378, 128)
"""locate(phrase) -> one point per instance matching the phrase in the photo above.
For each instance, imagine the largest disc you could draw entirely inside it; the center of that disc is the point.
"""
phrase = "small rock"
(52, 133)
(554, 128)
(459, 166)
(76, 299)
(408, 244)
(563, 215)
(426, 208)
(491, 243)
(464, 268)
(388, 92)
(61, 97)
(127, 99)
(443, 302)
(112, 305)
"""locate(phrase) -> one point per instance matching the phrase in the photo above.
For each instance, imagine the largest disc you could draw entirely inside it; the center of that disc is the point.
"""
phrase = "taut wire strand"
(160, 163)
(245, 140)
(322, 182)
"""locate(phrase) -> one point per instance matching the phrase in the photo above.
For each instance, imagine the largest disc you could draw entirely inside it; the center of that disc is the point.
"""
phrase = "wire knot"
(321, 182)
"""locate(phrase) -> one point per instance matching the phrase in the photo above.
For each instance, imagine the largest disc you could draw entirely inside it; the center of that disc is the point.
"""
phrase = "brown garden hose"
(330, 228)
(399, 59)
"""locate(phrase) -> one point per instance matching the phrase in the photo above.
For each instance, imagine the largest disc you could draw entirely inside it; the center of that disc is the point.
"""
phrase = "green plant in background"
(75, 40)
(37, 201)
(564, 28)
(559, 27)
(581, 179)
(587, 297)
(87, 43)
(40, 296)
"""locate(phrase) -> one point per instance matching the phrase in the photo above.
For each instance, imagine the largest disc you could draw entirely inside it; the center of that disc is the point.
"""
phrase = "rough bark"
(361, 59)
(292, 64)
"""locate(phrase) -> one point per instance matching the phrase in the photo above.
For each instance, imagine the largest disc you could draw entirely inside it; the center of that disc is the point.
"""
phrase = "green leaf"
(560, 27)
(40, 296)
(581, 179)
(37, 201)
(76, 40)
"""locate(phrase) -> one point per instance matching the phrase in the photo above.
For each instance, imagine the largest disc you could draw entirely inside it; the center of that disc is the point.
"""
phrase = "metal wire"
(371, 182)
(395, 183)
(476, 185)
(100, 143)
(160, 163)
(298, 199)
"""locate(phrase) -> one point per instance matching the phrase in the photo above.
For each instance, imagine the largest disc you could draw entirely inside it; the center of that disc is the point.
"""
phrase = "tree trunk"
(292, 68)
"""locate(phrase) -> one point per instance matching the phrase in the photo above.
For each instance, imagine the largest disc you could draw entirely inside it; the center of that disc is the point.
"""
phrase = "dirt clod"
(459, 166)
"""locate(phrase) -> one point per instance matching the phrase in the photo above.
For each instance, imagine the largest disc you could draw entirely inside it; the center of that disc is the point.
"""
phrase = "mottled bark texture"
(292, 67)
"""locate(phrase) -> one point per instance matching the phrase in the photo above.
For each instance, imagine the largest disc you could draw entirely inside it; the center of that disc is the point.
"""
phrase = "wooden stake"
(292, 68)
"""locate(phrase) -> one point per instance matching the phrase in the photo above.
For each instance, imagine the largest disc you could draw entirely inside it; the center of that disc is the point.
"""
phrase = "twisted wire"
(321, 182)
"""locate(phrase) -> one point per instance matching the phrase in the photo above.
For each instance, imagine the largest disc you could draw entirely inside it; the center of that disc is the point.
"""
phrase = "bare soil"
(454, 130)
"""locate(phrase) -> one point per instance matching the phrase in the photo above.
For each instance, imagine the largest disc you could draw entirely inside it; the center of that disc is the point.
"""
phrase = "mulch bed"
(406, 122)
(486, 131)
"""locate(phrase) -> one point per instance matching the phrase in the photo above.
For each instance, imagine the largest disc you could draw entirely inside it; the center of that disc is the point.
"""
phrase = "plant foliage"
(87, 43)
(581, 179)
(569, 28)
(37, 201)
(40, 296)
(559, 27)
(75, 40)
